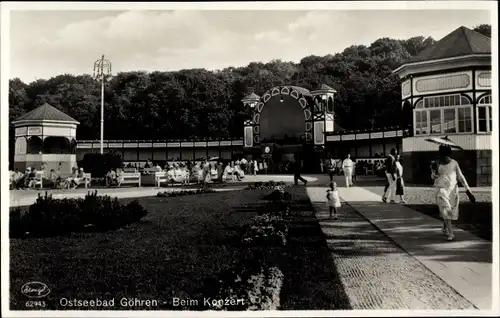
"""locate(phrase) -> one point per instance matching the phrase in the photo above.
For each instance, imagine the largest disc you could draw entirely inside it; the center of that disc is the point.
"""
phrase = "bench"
(160, 177)
(87, 179)
(131, 178)
(149, 170)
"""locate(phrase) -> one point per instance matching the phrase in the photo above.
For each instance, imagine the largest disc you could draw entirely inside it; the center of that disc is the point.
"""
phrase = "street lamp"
(102, 72)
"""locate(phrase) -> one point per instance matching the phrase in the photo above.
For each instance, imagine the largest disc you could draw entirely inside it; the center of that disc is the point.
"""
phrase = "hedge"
(53, 217)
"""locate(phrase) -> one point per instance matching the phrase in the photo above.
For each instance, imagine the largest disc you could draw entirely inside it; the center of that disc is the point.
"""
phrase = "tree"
(484, 29)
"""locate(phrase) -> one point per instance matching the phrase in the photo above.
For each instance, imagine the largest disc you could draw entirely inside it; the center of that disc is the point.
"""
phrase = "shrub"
(52, 217)
(48, 216)
(279, 194)
(266, 230)
(258, 286)
(99, 164)
(270, 185)
(185, 192)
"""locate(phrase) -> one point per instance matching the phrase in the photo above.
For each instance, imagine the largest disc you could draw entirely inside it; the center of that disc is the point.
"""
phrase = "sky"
(48, 43)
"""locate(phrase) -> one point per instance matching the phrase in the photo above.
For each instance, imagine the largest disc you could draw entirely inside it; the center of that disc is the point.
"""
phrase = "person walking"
(400, 185)
(206, 177)
(298, 170)
(244, 165)
(330, 167)
(390, 173)
(446, 174)
(347, 167)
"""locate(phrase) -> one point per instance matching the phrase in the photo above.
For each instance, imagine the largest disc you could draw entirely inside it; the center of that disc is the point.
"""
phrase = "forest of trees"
(201, 103)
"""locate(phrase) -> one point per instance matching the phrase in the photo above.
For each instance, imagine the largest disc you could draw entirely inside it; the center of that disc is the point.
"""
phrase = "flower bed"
(254, 284)
(267, 230)
(270, 185)
(279, 194)
(52, 217)
(185, 192)
(252, 288)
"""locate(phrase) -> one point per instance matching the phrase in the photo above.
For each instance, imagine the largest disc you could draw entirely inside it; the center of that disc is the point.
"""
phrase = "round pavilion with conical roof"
(45, 135)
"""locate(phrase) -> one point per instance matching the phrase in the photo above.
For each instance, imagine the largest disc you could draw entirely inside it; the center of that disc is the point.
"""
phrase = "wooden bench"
(149, 170)
(160, 177)
(131, 178)
(87, 180)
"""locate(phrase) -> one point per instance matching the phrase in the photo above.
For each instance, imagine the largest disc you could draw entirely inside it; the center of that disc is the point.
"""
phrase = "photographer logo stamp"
(35, 291)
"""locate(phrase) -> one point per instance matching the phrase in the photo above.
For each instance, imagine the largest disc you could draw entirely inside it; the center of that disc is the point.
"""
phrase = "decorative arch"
(281, 90)
(21, 146)
(419, 104)
(329, 106)
(34, 145)
(485, 99)
(57, 145)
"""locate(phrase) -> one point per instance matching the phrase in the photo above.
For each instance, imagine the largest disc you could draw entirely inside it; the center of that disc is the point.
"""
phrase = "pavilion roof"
(461, 42)
(252, 96)
(46, 112)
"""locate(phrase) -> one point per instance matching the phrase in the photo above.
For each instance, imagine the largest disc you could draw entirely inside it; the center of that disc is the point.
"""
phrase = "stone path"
(390, 256)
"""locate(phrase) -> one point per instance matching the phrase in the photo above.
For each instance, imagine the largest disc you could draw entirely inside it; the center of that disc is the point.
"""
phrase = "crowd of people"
(28, 180)
(201, 171)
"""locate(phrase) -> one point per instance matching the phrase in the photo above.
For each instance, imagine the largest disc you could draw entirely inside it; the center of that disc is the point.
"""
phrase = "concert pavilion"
(446, 91)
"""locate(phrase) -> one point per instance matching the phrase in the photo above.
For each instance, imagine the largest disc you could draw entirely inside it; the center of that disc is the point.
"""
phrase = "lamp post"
(102, 72)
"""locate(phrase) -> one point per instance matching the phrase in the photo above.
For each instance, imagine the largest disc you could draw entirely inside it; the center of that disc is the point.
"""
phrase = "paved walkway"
(465, 265)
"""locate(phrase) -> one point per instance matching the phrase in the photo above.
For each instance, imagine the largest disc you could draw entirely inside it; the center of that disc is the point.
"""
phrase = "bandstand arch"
(299, 94)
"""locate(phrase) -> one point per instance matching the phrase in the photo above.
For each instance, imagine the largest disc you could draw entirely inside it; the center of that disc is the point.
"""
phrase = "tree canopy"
(197, 103)
(484, 29)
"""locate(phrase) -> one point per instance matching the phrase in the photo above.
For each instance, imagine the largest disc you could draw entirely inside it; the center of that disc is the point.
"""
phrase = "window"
(435, 115)
(464, 120)
(445, 114)
(421, 127)
(484, 115)
(449, 120)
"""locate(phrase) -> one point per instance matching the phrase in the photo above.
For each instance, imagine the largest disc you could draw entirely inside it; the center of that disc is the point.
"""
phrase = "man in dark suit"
(390, 172)
(298, 170)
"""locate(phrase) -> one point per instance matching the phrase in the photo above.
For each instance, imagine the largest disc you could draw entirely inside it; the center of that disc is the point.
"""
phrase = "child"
(333, 200)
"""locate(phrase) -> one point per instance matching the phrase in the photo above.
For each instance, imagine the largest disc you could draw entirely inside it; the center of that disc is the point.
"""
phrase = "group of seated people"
(114, 177)
(27, 180)
(201, 171)
(374, 166)
(204, 172)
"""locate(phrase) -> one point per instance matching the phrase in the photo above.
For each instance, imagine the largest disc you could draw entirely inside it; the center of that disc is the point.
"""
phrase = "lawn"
(475, 218)
(174, 252)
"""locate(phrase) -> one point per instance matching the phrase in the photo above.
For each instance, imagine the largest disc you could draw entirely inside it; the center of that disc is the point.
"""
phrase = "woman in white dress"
(227, 171)
(446, 174)
(400, 185)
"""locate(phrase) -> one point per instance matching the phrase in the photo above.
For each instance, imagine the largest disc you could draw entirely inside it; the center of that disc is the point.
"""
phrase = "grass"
(474, 218)
(173, 252)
